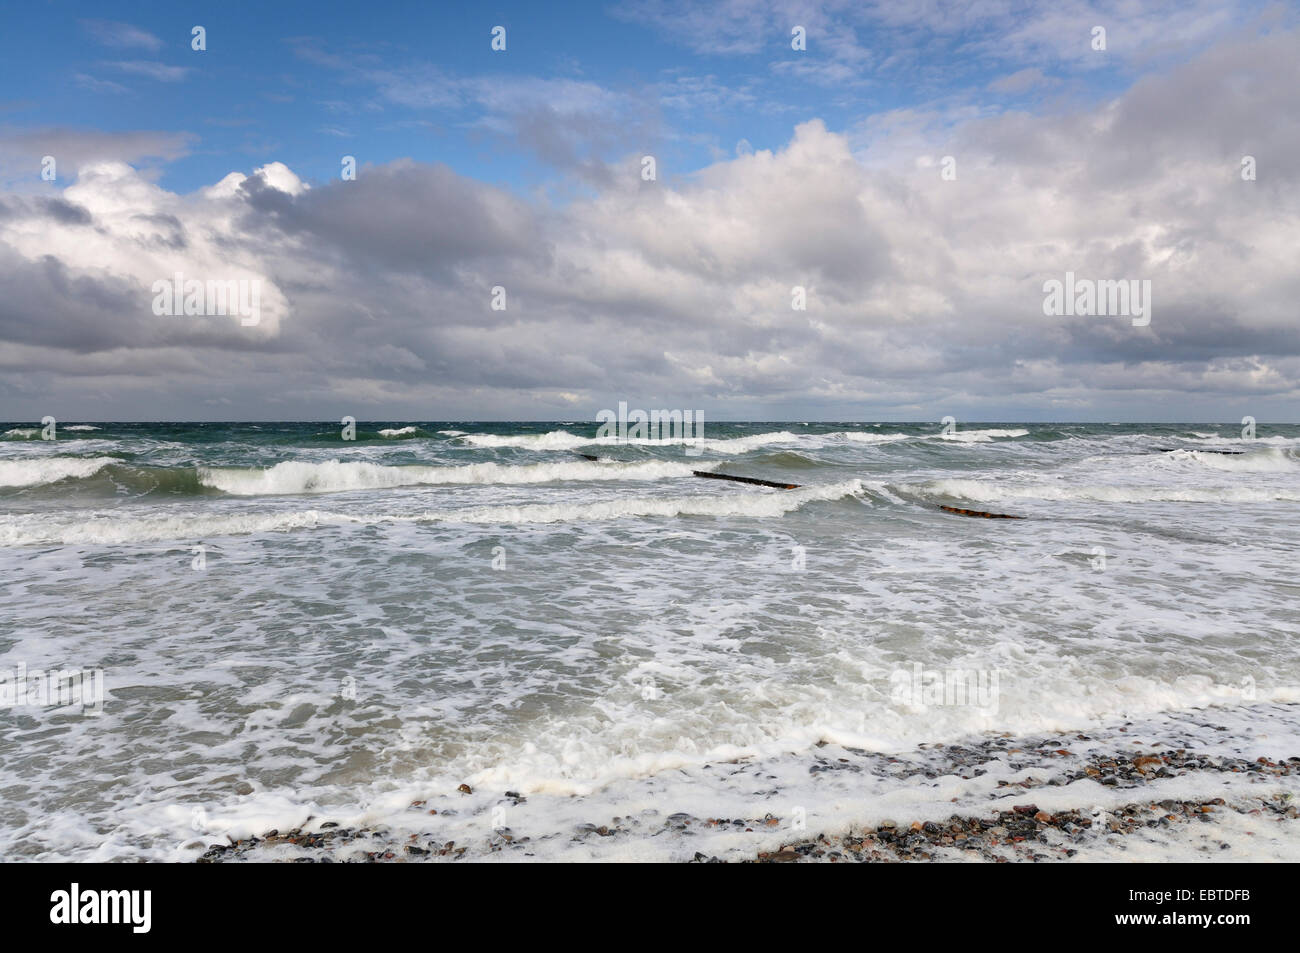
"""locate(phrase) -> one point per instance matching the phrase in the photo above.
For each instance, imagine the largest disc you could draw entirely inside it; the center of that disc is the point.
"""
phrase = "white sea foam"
(859, 436)
(1267, 460)
(113, 528)
(563, 440)
(21, 433)
(979, 436)
(79, 427)
(988, 491)
(109, 528)
(1233, 442)
(34, 472)
(745, 504)
(397, 432)
(554, 440)
(291, 476)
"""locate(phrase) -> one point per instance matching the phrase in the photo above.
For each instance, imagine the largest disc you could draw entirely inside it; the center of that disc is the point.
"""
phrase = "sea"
(264, 626)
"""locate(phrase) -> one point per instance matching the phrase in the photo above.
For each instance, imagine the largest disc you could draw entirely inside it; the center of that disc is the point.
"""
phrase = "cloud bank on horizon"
(668, 203)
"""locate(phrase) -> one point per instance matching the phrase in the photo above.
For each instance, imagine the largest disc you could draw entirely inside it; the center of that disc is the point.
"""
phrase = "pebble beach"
(1130, 792)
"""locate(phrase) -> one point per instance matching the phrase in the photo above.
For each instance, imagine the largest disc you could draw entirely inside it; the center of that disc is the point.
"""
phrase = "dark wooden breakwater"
(754, 481)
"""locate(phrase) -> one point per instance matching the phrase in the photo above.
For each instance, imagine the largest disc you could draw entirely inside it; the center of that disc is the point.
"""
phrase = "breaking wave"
(111, 528)
(986, 491)
(563, 440)
(50, 469)
(334, 476)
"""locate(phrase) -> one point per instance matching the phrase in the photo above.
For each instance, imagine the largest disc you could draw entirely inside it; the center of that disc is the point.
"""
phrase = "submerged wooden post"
(1229, 453)
(988, 516)
(754, 481)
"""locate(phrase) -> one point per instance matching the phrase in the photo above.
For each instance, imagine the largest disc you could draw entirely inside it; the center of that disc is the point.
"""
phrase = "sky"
(666, 203)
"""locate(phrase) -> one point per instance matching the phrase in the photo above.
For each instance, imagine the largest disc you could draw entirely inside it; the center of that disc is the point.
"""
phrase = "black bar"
(282, 901)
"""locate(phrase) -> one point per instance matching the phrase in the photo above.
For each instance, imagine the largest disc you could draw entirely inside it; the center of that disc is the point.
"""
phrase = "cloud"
(1021, 81)
(53, 209)
(852, 40)
(924, 294)
(124, 35)
(571, 125)
(152, 70)
(22, 150)
(730, 28)
(96, 85)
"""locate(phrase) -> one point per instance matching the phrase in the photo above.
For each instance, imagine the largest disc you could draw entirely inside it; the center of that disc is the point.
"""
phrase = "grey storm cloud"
(52, 305)
(40, 207)
(400, 217)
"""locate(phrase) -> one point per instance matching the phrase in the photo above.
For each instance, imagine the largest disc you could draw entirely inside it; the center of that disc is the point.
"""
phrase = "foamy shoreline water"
(291, 625)
(1208, 785)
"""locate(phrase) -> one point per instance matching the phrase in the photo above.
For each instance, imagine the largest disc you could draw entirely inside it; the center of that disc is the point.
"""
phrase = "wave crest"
(334, 476)
(112, 528)
(988, 491)
(35, 472)
(563, 440)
